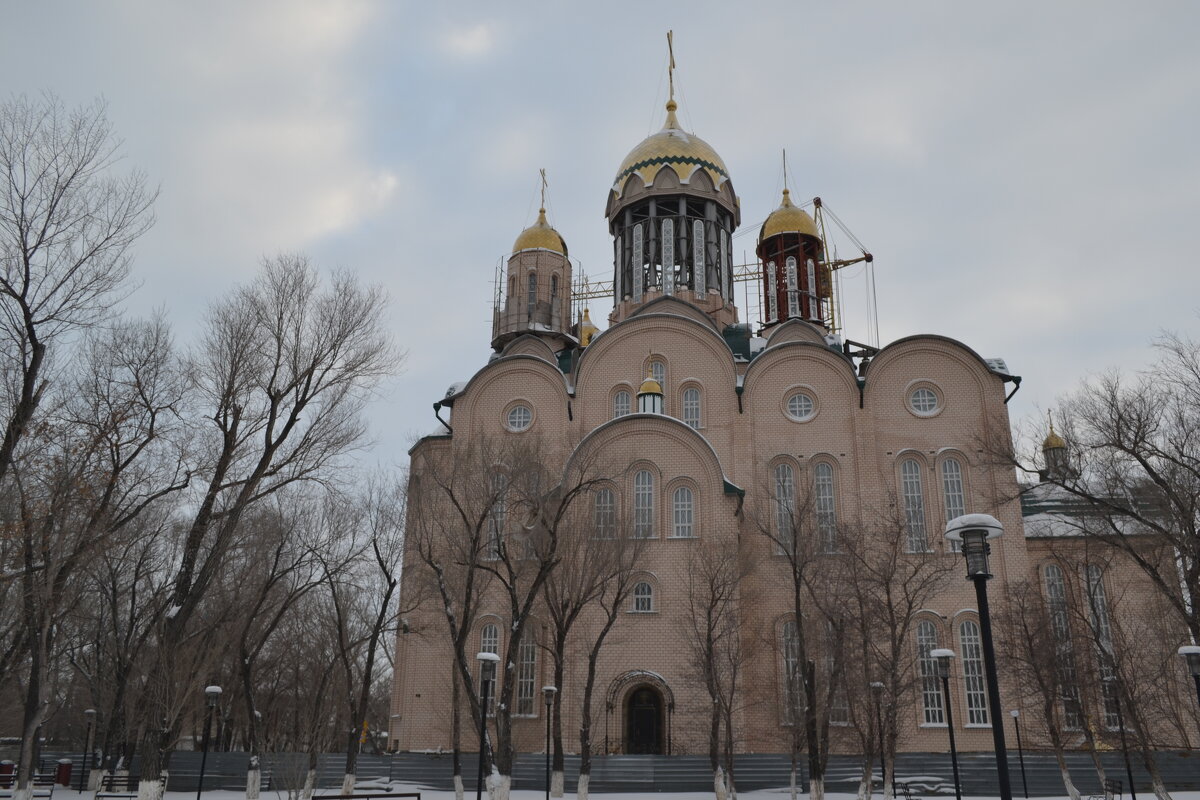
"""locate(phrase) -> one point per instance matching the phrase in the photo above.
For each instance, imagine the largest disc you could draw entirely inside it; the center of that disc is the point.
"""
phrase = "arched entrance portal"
(645, 721)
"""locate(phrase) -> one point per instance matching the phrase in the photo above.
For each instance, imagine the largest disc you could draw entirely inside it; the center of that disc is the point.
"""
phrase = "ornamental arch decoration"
(620, 690)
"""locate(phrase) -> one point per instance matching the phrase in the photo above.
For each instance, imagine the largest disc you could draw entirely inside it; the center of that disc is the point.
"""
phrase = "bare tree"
(67, 224)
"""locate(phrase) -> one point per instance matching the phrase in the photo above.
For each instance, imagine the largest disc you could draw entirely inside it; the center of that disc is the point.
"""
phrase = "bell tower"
(796, 281)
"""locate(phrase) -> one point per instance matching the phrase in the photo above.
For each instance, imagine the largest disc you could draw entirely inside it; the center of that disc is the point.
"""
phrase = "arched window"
(699, 276)
(604, 514)
(553, 289)
(531, 293)
(526, 676)
(495, 540)
(658, 370)
(668, 256)
(639, 263)
(691, 407)
(931, 690)
(826, 509)
(972, 667)
(793, 287)
(643, 505)
(790, 647)
(914, 506)
(1060, 625)
(1102, 636)
(814, 297)
(643, 598)
(839, 702)
(772, 299)
(785, 506)
(622, 402)
(684, 513)
(952, 492)
(489, 642)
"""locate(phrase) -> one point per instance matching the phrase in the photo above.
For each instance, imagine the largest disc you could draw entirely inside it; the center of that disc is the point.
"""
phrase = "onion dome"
(650, 386)
(650, 396)
(587, 329)
(540, 235)
(1053, 441)
(788, 218)
(672, 146)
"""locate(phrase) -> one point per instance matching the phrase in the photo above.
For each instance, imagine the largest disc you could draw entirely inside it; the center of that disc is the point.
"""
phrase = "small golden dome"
(788, 219)
(587, 329)
(1053, 441)
(650, 386)
(672, 147)
(540, 235)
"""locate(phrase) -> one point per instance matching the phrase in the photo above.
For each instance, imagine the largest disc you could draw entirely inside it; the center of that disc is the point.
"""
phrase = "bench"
(1112, 789)
(366, 796)
(42, 782)
(118, 786)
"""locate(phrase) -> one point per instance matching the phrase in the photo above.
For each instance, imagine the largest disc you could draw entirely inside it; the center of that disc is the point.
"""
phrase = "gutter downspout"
(437, 408)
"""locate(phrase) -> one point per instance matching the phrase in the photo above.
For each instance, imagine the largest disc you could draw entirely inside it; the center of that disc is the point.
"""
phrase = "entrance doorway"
(644, 721)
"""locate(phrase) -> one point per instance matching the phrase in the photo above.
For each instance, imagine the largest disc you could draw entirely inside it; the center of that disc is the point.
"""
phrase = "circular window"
(519, 418)
(800, 406)
(923, 400)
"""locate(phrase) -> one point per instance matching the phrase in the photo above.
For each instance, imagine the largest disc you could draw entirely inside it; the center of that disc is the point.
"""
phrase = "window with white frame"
(658, 371)
(526, 677)
(604, 514)
(785, 506)
(790, 647)
(931, 690)
(793, 287)
(519, 418)
(823, 498)
(1060, 626)
(923, 401)
(622, 403)
(691, 407)
(914, 506)
(801, 406)
(643, 598)
(1102, 636)
(684, 513)
(489, 642)
(973, 679)
(952, 493)
(814, 297)
(643, 504)
(772, 298)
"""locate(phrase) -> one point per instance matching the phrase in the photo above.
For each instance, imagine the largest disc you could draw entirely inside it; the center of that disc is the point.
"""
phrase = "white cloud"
(473, 41)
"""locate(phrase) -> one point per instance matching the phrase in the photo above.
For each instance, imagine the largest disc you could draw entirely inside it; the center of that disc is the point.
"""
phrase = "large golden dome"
(788, 219)
(672, 146)
(540, 235)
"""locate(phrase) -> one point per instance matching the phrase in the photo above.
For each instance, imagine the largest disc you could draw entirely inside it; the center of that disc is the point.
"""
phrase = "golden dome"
(587, 329)
(673, 147)
(540, 235)
(788, 219)
(1053, 441)
(650, 386)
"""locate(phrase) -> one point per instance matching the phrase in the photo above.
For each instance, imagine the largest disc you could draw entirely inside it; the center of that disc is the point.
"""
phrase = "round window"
(923, 401)
(519, 418)
(800, 406)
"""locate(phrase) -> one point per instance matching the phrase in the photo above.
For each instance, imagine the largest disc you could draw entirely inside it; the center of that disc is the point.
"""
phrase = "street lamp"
(973, 531)
(487, 669)
(211, 695)
(548, 692)
(1016, 715)
(877, 692)
(90, 715)
(943, 657)
(1192, 653)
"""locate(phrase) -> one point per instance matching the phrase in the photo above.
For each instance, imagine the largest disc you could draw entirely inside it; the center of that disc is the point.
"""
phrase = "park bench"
(43, 785)
(1112, 790)
(118, 786)
(367, 796)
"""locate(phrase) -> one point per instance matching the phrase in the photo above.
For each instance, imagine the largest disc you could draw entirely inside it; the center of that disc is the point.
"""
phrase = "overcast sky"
(1026, 175)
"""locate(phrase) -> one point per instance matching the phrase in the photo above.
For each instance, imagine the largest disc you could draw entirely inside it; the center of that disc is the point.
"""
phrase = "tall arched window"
(526, 676)
(793, 287)
(839, 702)
(772, 299)
(785, 506)
(639, 264)
(814, 297)
(495, 540)
(489, 642)
(952, 492)
(691, 407)
(643, 598)
(658, 371)
(1102, 636)
(823, 498)
(1060, 625)
(699, 268)
(971, 648)
(643, 505)
(668, 256)
(790, 647)
(931, 690)
(531, 293)
(684, 513)
(553, 289)
(604, 514)
(622, 402)
(914, 506)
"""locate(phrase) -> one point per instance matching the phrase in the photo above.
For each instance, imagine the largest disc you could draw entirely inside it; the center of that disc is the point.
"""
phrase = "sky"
(1025, 173)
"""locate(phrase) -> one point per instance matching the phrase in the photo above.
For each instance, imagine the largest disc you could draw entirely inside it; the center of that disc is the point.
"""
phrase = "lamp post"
(1016, 715)
(1114, 691)
(90, 715)
(973, 532)
(1192, 653)
(943, 657)
(487, 668)
(211, 695)
(877, 692)
(548, 692)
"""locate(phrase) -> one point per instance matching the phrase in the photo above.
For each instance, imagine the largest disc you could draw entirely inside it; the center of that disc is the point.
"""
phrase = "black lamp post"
(1192, 653)
(1016, 715)
(973, 532)
(943, 657)
(211, 695)
(90, 715)
(487, 668)
(548, 692)
(877, 692)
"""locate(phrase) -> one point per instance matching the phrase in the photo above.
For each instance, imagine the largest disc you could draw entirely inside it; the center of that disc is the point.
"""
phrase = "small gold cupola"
(1055, 454)
(796, 280)
(540, 235)
(650, 396)
(587, 329)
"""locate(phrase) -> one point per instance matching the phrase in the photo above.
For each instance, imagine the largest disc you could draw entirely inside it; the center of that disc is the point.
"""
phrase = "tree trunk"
(558, 760)
(456, 734)
(348, 779)
(719, 783)
(310, 778)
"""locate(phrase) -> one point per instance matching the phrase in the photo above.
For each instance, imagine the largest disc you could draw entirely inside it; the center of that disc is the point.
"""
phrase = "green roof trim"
(661, 160)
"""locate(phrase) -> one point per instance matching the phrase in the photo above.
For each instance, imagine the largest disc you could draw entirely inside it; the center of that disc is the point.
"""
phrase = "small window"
(684, 513)
(622, 402)
(801, 406)
(691, 407)
(519, 418)
(643, 598)
(923, 400)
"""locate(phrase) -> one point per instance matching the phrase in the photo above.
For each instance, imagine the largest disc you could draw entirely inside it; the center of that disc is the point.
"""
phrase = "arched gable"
(791, 351)
(530, 345)
(702, 336)
(534, 378)
(671, 304)
(795, 330)
(894, 355)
